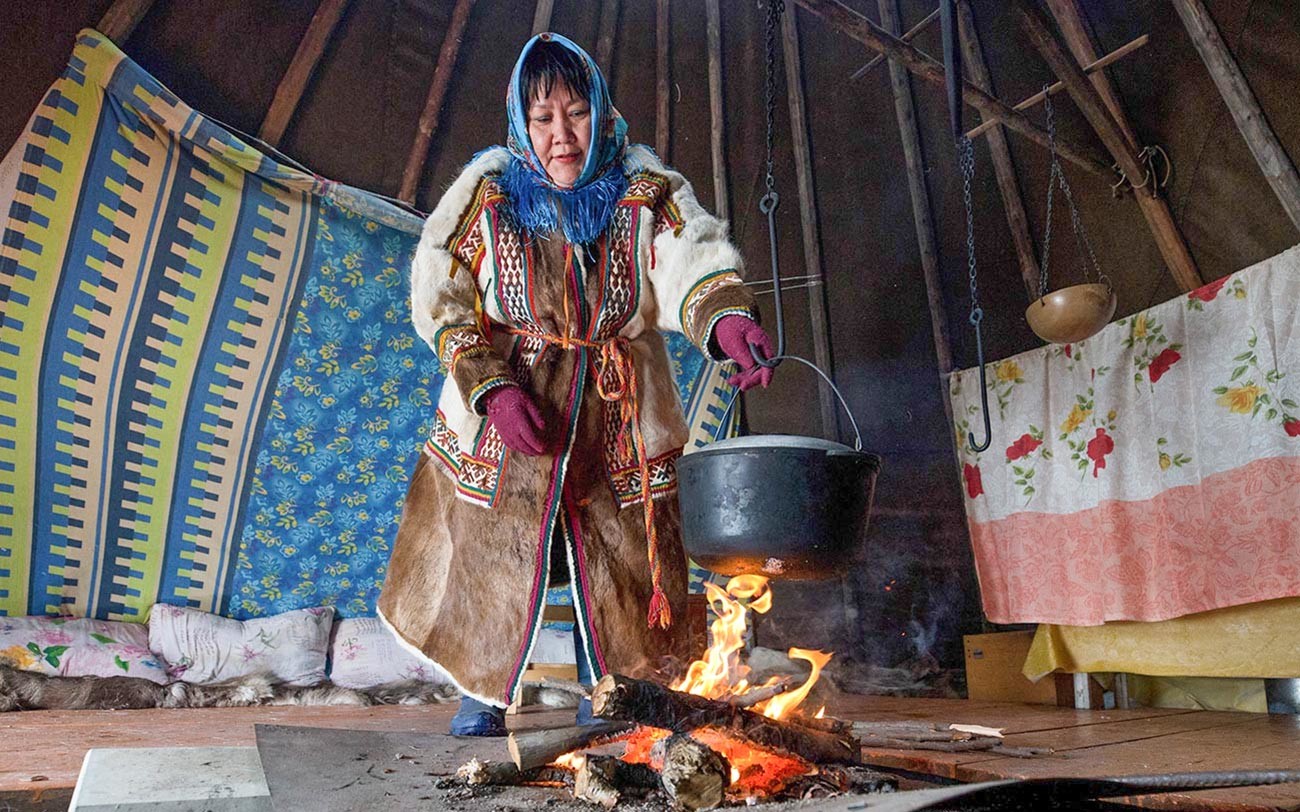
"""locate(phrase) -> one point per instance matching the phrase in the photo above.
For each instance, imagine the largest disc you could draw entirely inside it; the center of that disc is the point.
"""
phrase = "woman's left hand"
(734, 335)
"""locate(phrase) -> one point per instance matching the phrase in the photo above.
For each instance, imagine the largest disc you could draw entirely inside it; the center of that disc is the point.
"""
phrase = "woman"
(541, 280)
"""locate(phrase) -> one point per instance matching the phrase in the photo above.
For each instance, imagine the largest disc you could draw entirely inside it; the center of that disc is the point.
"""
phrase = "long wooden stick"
(1074, 30)
(295, 80)
(812, 251)
(1003, 167)
(873, 36)
(542, 16)
(717, 120)
(1056, 87)
(914, 160)
(910, 35)
(1156, 211)
(433, 104)
(605, 42)
(121, 19)
(662, 79)
(1273, 160)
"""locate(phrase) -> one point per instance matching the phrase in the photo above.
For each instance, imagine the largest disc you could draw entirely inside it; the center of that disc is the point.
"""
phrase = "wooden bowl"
(1071, 314)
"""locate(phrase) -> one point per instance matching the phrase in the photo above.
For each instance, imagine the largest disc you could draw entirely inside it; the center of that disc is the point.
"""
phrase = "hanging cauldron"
(775, 504)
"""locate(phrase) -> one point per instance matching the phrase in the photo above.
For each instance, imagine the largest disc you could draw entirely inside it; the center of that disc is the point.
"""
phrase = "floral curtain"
(1149, 472)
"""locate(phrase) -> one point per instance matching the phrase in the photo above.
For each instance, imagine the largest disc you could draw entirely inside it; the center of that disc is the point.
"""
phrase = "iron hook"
(977, 316)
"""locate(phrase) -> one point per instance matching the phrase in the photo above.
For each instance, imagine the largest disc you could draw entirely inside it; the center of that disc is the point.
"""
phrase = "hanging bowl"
(1071, 314)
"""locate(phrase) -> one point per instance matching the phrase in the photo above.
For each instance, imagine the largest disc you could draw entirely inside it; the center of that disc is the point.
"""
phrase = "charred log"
(538, 747)
(649, 703)
(693, 775)
(605, 779)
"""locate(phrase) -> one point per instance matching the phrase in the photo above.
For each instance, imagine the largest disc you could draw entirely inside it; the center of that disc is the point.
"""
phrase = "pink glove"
(734, 334)
(517, 419)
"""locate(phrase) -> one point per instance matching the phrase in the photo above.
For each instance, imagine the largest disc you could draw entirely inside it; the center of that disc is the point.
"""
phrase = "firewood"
(604, 779)
(649, 703)
(949, 746)
(865, 780)
(910, 731)
(538, 747)
(568, 686)
(477, 773)
(693, 774)
(754, 697)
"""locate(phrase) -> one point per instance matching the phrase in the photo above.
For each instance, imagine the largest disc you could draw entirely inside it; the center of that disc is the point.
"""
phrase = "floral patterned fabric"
(79, 647)
(349, 415)
(1149, 472)
(203, 648)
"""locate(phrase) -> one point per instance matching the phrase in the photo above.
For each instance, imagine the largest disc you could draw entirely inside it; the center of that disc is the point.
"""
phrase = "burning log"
(693, 775)
(649, 703)
(758, 695)
(535, 748)
(603, 780)
(567, 686)
(476, 773)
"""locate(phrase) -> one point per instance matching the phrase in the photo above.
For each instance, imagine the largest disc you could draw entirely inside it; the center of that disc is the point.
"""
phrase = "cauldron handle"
(773, 361)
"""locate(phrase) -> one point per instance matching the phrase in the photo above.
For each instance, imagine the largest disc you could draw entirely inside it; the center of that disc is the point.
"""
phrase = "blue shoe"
(478, 719)
(584, 716)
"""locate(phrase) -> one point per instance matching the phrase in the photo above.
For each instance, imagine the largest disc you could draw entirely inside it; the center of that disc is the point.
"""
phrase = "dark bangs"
(550, 61)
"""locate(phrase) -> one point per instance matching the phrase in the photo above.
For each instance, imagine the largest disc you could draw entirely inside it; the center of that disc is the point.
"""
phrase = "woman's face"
(560, 127)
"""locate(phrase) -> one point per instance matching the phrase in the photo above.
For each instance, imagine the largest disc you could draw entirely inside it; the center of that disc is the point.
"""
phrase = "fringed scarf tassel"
(582, 214)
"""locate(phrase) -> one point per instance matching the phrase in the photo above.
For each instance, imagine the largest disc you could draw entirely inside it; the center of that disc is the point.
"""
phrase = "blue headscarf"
(538, 205)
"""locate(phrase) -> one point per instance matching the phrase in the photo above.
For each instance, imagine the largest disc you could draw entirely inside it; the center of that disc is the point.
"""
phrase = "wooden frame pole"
(909, 132)
(911, 34)
(1156, 211)
(1003, 167)
(605, 42)
(662, 79)
(808, 217)
(542, 16)
(296, 78)
(863, 30)
(433, 104)
(716, 117)
(121, 19)
(1273, 160)
(1056, 87)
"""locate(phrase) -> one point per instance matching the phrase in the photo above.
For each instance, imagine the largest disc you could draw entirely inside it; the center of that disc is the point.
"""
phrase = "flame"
(571, 761)
(721, 674)
(779, 705)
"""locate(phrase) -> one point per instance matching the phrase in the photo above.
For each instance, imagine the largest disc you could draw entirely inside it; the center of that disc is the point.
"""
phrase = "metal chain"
(774, 10)
(966, 155)
(1057, 178)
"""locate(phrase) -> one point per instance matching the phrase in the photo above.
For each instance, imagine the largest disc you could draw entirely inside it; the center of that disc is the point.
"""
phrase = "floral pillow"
(202, 648)
(78, 647)
(365, 653)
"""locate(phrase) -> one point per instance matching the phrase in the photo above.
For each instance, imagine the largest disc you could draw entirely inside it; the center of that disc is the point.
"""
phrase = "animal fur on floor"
(27, 690)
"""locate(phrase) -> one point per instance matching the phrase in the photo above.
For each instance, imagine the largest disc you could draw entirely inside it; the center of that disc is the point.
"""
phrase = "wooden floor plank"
(50, 745)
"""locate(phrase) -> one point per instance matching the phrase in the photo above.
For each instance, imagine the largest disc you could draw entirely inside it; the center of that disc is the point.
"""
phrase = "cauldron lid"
(755, 442)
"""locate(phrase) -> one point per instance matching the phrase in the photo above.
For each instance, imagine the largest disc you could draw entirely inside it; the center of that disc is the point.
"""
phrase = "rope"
(616, 382)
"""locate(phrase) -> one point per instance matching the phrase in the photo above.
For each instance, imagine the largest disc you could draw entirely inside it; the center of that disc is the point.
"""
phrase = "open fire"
(715, 734)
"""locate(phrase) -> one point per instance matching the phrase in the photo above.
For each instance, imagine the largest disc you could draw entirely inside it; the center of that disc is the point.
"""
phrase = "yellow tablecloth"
(1253, 640)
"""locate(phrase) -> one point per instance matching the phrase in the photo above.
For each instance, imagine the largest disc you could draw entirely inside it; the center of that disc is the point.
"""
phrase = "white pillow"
(364, 653)
(201, 648)
(78, 647)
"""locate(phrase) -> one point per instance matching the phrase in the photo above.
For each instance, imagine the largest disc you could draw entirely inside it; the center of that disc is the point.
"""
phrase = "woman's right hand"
(517, 419)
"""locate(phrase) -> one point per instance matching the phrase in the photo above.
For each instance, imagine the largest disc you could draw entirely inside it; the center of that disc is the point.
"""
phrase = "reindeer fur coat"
(472, 559)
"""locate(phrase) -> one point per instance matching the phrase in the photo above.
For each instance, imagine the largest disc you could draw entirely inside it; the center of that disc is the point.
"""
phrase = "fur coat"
(466, 582)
